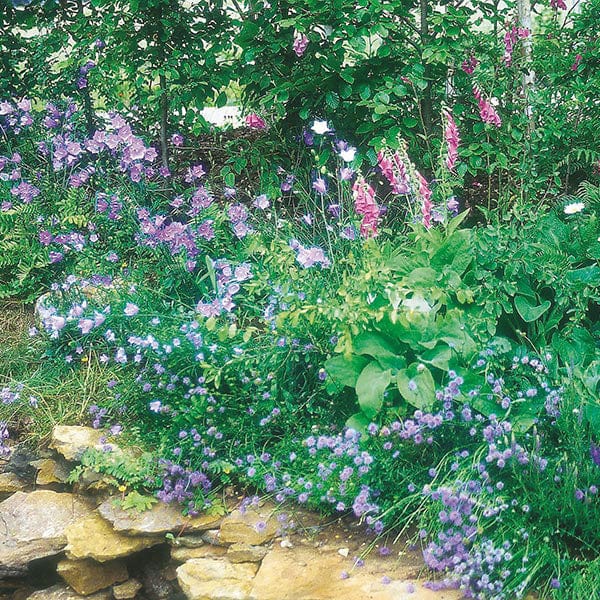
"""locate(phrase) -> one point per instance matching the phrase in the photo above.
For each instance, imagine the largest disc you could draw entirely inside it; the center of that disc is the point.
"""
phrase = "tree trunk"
(426, 101)
(524, 10)
(164, 121)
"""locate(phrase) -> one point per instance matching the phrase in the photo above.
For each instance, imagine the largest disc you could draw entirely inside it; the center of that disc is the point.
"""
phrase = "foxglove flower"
(394, 170)
(452, 141)
(255, 122)
(469, 65)
(487, 112)
(365, 205)
(426, 203)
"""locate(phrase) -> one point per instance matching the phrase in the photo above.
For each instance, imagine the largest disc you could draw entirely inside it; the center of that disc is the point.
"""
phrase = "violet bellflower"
(595, 453)
(300, 45)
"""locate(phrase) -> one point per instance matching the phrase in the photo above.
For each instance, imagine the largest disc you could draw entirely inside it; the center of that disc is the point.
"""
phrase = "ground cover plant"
(323, 314)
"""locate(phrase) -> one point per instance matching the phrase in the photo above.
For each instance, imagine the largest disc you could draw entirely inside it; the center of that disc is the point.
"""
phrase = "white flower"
(320, 127)
(416, 304)
(574, 207)
(348, 154)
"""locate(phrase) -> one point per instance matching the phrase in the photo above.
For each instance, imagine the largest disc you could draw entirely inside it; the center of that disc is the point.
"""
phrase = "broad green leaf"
(587, 275)
(439, 357)
(417, 386)
(359, 422)
(344, 372)
(530, 312)
(370, 387)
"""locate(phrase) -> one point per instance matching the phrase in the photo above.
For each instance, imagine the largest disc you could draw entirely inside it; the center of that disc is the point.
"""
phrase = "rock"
(213, 537)
(307, 573)
(187, 541)
(34, 526)
(62, 592)
(93, 537)
(156, 585)
(87, 576)
(243, 553)
(214, 579)
(73, 441)
(160, 519)
(250, 527)
(127, 590)
(10, 483)
(19, 463)
(208, 551)
(50, 471)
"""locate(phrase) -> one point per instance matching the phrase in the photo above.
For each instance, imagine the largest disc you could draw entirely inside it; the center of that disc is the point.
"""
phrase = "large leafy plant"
(419, 326)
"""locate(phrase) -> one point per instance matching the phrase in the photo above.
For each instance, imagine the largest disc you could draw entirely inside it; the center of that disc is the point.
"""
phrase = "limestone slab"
(88, 576)
(305, 573)
(251, 526)
(242, 553)
(127, 590)
(50, 471)
(34, 526)
(215, 579)
(62, 592)
(73, 441)
(10, 483)
(183, 554)
(161, 518)
(93, 537)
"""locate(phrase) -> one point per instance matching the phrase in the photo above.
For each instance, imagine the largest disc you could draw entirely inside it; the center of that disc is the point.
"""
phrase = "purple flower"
(595, 453)
(131, 309)
(237, 213)
(452, 205)
(320, 186)
(194, 172)
(241, 230)
(177, 139)
(82, 83)
(309, 257)
(287, 184)
(261, 202)
(300, 45)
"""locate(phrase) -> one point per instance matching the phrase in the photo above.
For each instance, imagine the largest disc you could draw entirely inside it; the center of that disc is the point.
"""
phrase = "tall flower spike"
(365, 205)
(487, 112)
(452, 141)
(426, 204)
(394, 170)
